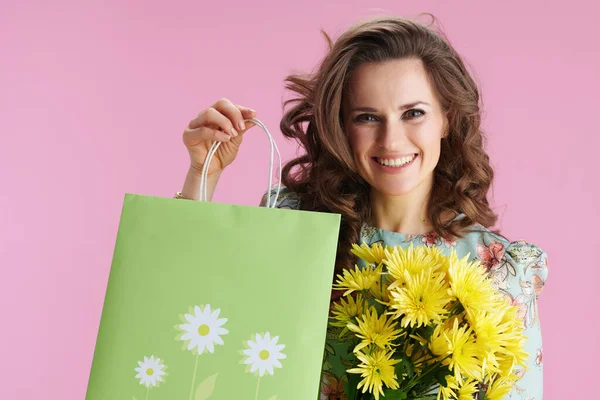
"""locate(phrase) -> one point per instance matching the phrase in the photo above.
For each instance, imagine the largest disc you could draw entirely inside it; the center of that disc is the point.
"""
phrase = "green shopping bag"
(215, 301)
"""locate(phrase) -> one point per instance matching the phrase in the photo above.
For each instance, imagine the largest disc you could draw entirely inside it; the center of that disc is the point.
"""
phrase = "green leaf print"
(206, 387)
(329, 349)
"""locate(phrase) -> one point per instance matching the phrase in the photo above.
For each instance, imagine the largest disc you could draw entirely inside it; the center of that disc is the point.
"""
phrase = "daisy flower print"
(150, 371)
(203, 329)
(263, 354)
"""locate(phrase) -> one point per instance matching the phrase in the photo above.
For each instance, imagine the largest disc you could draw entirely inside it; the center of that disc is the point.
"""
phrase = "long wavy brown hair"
(325, 177)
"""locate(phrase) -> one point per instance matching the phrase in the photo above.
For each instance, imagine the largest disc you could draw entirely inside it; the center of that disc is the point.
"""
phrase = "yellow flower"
(373, 254)
(412, 260)
(498, 388)
(512, 355)
(506, 365)
(469, 284)
(459, 390)
(510, 314)
(500, 337)
(487, 328)
(359, 279)
(380, 290)
(376, 369)
(374, 329)
(439, 259)
(467, 389)
(345, 312)
(421, 300)
(448, 391)
(449, 323)
(457, 348)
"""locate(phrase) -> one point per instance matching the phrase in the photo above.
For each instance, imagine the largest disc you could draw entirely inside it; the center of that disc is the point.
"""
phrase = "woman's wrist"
(191, 186)
(196, 170)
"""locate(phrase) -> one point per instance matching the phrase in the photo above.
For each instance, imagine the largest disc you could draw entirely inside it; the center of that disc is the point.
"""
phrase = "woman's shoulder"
(282, 197)
(520, 251)
(501, 256)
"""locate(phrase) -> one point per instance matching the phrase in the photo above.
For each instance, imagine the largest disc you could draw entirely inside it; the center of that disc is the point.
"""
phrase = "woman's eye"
(365, 118)
(412, 114)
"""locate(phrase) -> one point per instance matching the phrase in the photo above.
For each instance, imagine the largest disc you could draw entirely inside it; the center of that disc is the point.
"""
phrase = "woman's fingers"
(226, 116)
(213, 119)
(231, 112)
(192, 137)
(247, 113)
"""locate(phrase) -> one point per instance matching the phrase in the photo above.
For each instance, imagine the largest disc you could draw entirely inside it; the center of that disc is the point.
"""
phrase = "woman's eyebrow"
(411, 105)
(402, 107)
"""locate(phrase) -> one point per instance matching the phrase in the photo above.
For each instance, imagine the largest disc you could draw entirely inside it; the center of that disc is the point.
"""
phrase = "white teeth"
(397, 162)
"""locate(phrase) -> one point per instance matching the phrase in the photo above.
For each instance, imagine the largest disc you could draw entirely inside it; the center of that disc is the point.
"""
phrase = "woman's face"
(394, 124)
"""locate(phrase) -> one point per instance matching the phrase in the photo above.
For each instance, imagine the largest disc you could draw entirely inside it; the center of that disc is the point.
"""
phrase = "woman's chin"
(393, 190)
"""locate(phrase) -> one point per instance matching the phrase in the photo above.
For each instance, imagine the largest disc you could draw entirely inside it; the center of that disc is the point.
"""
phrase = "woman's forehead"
(402, 81)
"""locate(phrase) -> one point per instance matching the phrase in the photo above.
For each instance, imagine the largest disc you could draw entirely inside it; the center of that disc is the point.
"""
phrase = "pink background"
(94, 98)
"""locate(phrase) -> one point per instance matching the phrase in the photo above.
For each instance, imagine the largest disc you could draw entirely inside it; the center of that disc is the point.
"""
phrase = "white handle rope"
(213, 149)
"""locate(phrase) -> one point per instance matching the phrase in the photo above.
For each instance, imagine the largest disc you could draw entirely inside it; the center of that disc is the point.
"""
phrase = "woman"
(390, 124)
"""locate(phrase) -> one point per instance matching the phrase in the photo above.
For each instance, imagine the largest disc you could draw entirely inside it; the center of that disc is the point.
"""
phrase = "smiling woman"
(391, 114)
(390, 126)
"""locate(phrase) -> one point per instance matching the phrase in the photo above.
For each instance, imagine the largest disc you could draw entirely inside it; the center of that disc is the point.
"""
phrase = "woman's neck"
(405, 214)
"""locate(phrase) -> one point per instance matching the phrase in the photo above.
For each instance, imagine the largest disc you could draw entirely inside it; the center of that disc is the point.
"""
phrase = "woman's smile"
(394, 165)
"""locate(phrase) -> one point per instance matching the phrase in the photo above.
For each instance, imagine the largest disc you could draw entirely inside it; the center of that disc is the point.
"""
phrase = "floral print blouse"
(518, 271)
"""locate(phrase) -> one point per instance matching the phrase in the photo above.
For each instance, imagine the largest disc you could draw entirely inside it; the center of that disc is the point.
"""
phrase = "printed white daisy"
(204, 329)
(150, 371)
(264, 354)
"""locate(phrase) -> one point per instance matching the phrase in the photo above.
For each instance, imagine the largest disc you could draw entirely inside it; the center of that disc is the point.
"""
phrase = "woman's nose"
(391, 135)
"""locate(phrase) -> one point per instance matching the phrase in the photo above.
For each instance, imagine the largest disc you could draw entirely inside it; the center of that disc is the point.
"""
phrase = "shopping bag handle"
(213, 149)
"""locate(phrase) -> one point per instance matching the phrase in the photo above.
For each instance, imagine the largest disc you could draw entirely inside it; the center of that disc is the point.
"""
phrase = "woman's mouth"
(395, 164)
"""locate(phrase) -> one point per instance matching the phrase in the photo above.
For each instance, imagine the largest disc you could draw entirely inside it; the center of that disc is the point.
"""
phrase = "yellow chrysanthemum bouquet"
(424, 325)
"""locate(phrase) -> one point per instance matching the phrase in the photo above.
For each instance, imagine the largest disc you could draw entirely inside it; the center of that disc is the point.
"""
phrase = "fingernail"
(252, 111)
(234, 132)
(242, 125)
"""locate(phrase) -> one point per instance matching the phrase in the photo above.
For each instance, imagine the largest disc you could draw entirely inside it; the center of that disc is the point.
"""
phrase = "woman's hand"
(223, 122)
